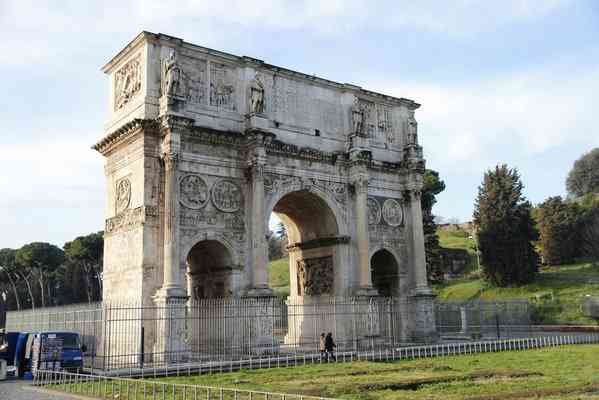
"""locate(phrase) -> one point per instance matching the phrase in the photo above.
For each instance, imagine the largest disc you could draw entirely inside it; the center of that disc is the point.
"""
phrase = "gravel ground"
(21, 390)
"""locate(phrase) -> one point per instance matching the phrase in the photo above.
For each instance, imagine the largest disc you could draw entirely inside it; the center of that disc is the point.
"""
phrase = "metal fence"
(111, 387)
(483, 319)
(126, 336)
(123, 388)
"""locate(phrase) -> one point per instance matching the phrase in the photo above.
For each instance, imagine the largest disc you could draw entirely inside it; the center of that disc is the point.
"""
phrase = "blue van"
(48, 350)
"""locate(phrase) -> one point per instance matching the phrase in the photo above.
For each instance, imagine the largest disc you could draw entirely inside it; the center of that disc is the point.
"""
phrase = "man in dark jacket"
(329, 345)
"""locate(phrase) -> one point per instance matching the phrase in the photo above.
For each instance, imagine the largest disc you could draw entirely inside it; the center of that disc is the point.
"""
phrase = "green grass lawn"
(570, 372)
(279, 276)
(556, 292)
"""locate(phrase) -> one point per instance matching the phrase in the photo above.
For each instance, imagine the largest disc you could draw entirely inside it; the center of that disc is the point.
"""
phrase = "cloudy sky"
(512, 81)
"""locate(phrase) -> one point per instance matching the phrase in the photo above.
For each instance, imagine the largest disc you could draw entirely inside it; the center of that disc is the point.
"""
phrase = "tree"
(506, 229)
(432, 186)
(558, 223)
(42, 259)
(7, 268)
(583, 178)
(85, 255)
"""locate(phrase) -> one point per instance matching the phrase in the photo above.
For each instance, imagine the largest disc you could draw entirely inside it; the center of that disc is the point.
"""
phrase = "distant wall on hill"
(454, 261)
(464, 226)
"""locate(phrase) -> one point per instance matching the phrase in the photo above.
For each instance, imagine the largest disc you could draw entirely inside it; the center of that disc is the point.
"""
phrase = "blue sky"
(512, 81)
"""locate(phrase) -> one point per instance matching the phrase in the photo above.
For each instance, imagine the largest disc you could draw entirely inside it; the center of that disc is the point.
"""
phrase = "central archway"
(312, 239)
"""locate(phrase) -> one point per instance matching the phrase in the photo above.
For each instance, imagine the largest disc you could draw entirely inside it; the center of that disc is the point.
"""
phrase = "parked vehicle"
(48, 350)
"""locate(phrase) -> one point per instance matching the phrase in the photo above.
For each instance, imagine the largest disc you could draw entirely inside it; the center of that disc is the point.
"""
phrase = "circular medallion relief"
(374, 211)
(194, 192)
(123, 194)
(226, 196)
(392, 212)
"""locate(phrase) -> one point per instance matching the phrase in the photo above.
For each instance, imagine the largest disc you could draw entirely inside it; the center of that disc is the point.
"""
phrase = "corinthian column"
(360, 182)
(417, 241)
(258, 238)
(171, 280)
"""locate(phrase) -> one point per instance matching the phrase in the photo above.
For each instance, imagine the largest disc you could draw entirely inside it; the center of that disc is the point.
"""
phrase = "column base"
(366, 291)
(422, 305)
(260, 291)
(171, 292)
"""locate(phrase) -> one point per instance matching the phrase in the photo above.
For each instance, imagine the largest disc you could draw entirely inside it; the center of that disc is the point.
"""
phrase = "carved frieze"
(226, 196)
(198, 218)
(274, 183)
(193, 192)
(127, 82)
(222, 88)
(392, 212)
(374, 211)
(123, 195)
(315, 276)
(130, 219)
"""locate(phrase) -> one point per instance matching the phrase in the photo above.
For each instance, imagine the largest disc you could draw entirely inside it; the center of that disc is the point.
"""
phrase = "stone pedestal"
(172, 338)
(422, 304)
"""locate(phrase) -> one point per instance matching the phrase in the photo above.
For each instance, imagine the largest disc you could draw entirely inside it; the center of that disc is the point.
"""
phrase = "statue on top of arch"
(256, 96)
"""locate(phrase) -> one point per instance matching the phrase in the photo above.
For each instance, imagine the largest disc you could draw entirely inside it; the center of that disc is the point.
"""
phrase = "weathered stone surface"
(202, 146)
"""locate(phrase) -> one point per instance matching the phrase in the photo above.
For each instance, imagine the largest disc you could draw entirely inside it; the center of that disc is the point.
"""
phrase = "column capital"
(255, 171)
(412, 194)
(171, 159)
(360, 183)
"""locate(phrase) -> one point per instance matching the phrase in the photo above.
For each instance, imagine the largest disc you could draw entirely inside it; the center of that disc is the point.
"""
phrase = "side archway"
(385, 272)
(210, 270)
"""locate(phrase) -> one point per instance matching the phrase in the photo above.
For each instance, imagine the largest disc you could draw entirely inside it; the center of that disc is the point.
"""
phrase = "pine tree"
(506, 229)
(433, 185)
(558, 223)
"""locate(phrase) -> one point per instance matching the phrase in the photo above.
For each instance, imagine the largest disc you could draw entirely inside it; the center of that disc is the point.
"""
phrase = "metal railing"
(483, 319)
(126, 389)
(102, 385)
(126, 336)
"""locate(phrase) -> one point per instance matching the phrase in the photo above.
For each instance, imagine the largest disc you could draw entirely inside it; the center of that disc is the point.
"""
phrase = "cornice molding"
(111, 140)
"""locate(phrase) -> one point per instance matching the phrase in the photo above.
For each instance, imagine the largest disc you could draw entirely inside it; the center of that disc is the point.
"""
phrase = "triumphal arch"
(202, 146)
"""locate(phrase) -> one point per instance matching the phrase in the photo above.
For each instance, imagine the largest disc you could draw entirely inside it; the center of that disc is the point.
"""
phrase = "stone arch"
(210, 235)
(212, 267)
(385, 269)
(316, 238)
(340, 215)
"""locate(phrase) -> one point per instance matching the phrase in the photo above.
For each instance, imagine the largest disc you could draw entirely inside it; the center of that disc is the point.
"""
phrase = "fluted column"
(417, 240)
(361, 186)
(258, 223)
(171, 279)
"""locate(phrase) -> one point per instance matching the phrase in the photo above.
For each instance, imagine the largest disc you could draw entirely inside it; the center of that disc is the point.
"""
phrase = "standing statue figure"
(357, 113)
(172, 75)
(412, 130)
(256, 96)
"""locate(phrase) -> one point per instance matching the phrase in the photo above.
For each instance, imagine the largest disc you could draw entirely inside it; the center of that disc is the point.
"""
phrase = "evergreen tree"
(432, 186)
(583, 178)
(558, 223)
(506, 229)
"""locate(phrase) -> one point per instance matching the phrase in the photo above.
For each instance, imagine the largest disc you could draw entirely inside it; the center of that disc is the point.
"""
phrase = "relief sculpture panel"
(226, 196)
(193, 192)
(222, 88)
(127, 82)
(315, 276)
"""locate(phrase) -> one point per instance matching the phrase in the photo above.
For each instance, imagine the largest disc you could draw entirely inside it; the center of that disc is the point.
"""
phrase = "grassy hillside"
(279, 276)
(458, 239)
(556, 293)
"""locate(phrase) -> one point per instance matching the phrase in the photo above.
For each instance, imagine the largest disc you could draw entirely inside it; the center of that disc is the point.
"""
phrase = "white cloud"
(466, 127)
(30, 28)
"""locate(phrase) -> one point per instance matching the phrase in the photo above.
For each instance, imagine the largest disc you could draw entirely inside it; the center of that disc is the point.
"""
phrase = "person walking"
(329, 346)
(321, 346)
